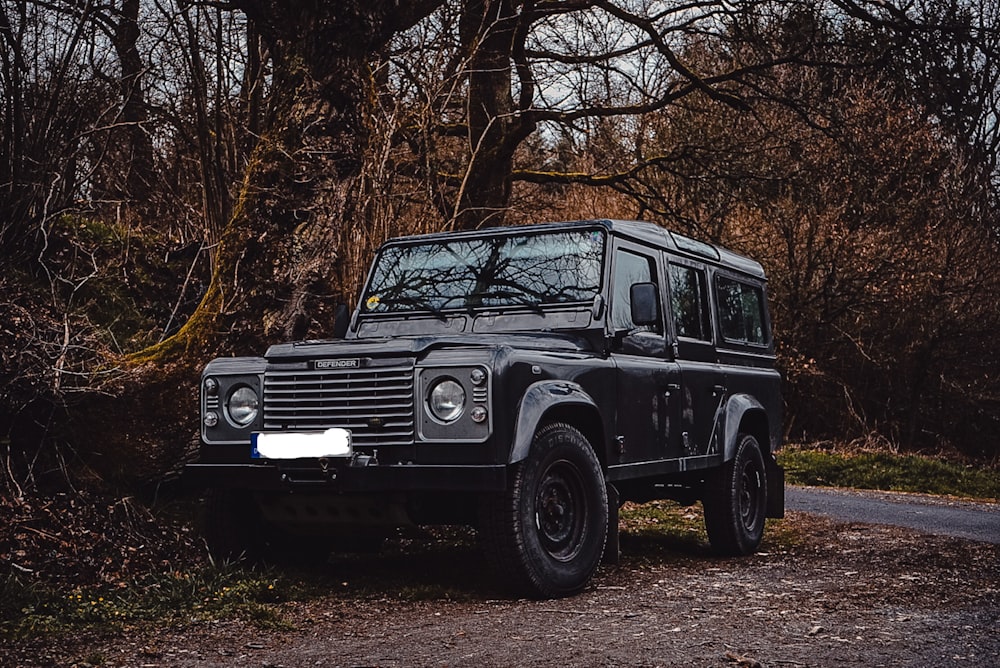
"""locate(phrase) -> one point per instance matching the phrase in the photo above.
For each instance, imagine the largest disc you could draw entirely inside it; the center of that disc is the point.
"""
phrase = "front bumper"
(312, 476)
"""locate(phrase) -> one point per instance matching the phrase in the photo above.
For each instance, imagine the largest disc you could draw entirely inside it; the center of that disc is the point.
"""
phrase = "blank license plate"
(302, 445)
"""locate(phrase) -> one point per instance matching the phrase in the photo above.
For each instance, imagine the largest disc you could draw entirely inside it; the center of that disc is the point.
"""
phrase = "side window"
(689, 302)
(630, 268)
(741, 312)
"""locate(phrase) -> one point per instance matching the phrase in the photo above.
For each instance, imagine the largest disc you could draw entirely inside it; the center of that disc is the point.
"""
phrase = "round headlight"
(446, 400)
(242, 406)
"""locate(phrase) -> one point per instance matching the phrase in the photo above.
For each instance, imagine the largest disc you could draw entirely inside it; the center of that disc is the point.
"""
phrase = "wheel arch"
(744, 415)
(557, 401)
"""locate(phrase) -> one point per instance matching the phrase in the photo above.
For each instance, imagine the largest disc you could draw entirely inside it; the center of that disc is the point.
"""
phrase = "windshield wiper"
(420, 304)
(517, 299)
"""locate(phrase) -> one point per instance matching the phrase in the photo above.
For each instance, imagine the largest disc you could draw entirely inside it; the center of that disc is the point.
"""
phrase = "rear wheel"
(736, 501)
(546, 534)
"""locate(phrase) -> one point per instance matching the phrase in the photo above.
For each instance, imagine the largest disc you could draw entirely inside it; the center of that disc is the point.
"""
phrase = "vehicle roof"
(638, 230)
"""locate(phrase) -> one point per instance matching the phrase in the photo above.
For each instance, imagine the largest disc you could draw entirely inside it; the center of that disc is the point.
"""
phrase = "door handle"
(718, 389)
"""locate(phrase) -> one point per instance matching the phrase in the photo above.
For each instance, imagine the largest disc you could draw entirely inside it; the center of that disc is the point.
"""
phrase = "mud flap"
(612, 546)
(775, 488)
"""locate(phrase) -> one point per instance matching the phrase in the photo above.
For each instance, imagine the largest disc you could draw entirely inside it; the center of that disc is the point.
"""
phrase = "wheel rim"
(750, 494)
(561, 510)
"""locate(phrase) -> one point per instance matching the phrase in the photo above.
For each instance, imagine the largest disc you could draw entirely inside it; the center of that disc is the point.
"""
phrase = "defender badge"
(337, 364)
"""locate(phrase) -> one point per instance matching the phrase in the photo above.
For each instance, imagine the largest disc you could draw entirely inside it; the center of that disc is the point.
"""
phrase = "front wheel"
(546, 534)
(736, 501)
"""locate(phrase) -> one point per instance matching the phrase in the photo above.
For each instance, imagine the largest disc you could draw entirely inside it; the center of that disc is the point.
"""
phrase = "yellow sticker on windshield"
(372, 302)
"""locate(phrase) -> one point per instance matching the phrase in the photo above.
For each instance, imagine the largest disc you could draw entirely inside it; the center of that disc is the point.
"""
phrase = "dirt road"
(820, 593)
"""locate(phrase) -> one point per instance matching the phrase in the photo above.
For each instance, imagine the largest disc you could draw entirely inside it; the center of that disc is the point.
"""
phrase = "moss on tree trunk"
(276, 263)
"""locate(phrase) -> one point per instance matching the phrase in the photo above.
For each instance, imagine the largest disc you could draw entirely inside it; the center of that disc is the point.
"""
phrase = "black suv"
(522, 380)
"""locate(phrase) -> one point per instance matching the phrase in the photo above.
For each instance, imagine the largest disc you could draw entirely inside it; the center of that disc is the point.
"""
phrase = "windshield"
(505, 270)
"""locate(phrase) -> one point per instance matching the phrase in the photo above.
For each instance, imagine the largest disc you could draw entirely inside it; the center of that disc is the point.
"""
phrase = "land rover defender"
(523, 380)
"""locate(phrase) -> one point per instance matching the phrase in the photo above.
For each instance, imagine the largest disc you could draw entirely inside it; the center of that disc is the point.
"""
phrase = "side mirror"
(341, 321)
(645, 304)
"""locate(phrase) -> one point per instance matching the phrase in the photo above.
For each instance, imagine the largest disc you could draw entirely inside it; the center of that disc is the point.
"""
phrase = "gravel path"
(940, 516)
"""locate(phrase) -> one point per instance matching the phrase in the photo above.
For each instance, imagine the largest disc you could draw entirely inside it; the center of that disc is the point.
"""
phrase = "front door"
(647, 379)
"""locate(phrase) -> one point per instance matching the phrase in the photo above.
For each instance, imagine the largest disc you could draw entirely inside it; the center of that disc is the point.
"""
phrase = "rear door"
(702, 378)
(746, 347)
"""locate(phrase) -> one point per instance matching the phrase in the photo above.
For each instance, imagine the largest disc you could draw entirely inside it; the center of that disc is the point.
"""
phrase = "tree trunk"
(277, 258)
(13, 198)
(490, 30)
(140, 154)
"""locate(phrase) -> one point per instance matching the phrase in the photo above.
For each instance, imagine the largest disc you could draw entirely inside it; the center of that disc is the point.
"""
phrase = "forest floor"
(819, 593)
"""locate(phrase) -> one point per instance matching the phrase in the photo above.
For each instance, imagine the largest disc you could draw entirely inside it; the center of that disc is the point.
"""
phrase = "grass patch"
(445, 568)
(29, 608)
(654, 529)
(889, 472)
(662, 518)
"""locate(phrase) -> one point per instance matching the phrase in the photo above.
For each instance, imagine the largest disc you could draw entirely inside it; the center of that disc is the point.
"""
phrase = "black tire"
(233, 526)
(545, 536)
(736, 501)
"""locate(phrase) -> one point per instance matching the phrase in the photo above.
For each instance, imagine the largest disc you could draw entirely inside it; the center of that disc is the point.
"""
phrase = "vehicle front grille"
(375, 403)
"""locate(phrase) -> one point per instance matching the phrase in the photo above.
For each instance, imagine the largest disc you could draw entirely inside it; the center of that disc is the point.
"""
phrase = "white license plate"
(302, 445)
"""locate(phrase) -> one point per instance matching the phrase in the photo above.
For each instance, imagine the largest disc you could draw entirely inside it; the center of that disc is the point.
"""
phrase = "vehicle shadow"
(447, 563)
(663, 546)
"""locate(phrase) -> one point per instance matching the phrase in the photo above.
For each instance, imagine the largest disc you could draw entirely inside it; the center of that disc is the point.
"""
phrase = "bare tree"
(263, 149)
(277, 254)
(100, 182)
(134, 116)
(555, 70)
(702, 116)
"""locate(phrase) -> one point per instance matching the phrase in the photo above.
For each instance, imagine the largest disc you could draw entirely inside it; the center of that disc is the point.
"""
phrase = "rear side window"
(741, 312)
(689, 302)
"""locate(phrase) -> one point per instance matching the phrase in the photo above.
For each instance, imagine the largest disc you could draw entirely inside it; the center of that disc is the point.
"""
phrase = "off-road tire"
(735, 501)
(545, 535)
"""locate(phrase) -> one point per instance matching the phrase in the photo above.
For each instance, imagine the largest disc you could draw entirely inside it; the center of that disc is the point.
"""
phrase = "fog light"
(478, 414)
(211, 419)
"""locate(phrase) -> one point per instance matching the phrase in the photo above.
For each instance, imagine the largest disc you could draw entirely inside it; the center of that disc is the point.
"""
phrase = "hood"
(417, 345)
